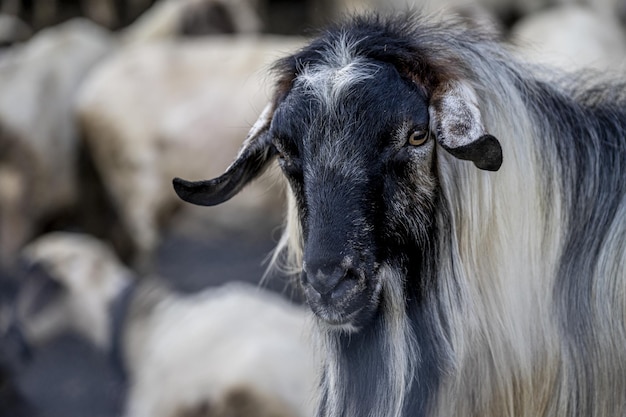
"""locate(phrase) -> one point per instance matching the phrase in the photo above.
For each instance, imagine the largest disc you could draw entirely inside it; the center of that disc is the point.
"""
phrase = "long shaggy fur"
(441, 287)
(526, 314)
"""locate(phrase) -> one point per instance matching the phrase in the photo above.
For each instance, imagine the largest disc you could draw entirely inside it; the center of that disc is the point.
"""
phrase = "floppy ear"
(455, 119)
(257, 151)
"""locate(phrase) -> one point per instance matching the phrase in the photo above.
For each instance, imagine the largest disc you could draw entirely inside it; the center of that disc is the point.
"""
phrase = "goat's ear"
(257, 151)
(455, 119)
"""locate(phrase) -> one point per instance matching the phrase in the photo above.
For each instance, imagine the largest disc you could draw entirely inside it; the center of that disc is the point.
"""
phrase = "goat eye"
(418, 137)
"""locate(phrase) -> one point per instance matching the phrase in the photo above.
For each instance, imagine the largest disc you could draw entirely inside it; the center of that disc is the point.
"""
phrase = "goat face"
(354, 145)
(352, 135)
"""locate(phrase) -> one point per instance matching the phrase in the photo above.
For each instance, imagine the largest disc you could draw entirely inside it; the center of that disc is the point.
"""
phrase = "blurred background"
(102, 268)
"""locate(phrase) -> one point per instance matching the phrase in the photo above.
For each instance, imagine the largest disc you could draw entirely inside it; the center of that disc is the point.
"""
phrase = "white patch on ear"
(454, 115)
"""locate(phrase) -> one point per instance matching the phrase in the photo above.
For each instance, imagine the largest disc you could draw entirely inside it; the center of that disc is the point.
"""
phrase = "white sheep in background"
(220, 350)
(151, 111)
(171, 18)
(38, 139)
(571, 38)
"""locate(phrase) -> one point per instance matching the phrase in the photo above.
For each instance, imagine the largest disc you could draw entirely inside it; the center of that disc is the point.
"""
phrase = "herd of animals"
(454, 214)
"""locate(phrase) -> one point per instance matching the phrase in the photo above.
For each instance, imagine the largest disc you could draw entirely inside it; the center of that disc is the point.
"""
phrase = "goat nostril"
(331, 286)
(324, 283)
(323, 286)
(342, 289)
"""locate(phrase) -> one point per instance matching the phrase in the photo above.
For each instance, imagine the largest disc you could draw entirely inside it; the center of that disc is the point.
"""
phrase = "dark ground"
(69, 378)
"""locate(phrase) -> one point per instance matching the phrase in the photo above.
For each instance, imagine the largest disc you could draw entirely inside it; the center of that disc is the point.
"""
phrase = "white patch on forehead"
(329, 82)
(340, 71)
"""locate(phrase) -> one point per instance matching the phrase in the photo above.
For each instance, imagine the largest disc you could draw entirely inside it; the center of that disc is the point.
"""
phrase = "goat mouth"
(334, 316)
(350, 324)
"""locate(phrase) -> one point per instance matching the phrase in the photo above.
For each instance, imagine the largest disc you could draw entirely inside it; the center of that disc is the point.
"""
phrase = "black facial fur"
(349, 165)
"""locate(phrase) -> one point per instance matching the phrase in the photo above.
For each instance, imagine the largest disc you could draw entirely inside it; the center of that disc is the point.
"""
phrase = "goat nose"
(327, 280)
(325, 283)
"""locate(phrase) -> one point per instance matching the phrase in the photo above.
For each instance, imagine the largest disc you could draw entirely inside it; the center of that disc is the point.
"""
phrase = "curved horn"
(253, 158)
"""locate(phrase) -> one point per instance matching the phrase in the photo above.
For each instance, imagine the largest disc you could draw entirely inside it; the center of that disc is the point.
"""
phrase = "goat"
(441, 289)
(216, 352)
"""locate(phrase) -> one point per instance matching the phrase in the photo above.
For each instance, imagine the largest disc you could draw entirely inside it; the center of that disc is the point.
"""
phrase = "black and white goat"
(444, 288)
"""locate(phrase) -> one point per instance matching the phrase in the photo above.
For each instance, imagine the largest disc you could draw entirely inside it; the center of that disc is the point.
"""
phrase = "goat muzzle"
(338, 292)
